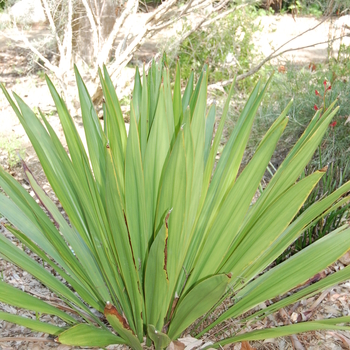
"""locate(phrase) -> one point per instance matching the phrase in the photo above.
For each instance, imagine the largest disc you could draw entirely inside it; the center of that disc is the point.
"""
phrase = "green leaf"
(216, 246)
(292, 166)
(131, 300)
(156, 280)
(115, 128)
(268, 228)
(197, 302)
(157, 151)
(137, 95)
(283, 331)
(188, 93)
(35, 325)
(290, 273)
(13, 254)
(177, 101)
(135, 201)
(172, 204)
(209, 130)
(120, 325)
(88, 267)
(87, 335)
(160, 340)
(15, 297)
(305, 293)
(144, 122)
(95, 136)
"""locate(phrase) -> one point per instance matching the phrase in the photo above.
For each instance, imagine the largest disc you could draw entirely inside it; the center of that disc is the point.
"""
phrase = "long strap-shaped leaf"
(233, 210)
(32, 324)
(15, 297)
(305, 293)
(225, 173)
(157, 152)
(135, 201)
(84, 293)
(95, 137)
(285, 176)
(86, 335)
(172, 207)
(177, 101)
(115, 128)
(272, 222)
(292, 166)
(156, 280)
(314, 213)
(197, 302)
(290, 273)
(61, 175)
(129, 296)
(195, 144)
(13, 254)
(283, 331)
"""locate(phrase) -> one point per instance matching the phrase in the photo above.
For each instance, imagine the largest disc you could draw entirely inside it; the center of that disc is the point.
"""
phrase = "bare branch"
(120, 63)
(182, 13)
(47, 63)
(108, 45)
(161, 9)
(227, 12)
(201, 5)
(270, 57)
(132, 47)
(307, 46)
(52, 24)
(92, 20)
(299, 35)
(68, 40)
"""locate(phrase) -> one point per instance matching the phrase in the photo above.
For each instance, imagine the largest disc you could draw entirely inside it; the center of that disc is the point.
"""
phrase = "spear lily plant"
(158, 233)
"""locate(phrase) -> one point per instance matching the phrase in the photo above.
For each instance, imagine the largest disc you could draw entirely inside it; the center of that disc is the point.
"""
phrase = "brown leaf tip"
(110, 310)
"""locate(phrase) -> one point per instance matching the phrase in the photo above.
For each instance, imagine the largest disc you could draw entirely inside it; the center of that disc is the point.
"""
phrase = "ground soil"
(19, 74)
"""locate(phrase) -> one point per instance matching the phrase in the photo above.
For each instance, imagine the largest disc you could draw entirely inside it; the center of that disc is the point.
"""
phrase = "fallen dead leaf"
(176, 345)
(345, 340)
(190, 342)
(246, 346)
